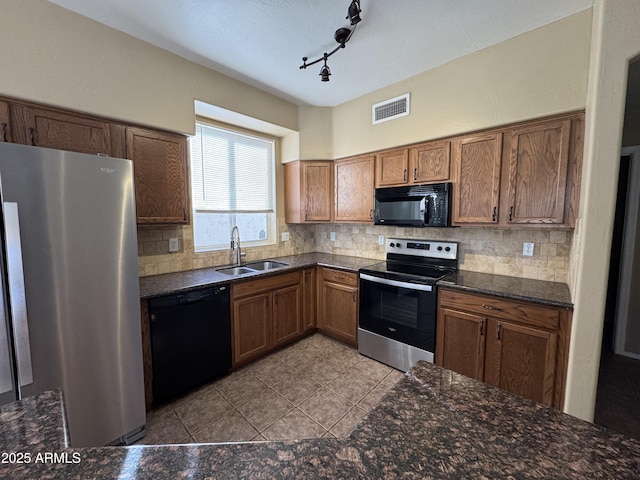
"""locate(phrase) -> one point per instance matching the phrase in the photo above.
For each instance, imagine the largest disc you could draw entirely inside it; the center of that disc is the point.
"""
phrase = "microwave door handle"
(427, 201)
(396, 283)
(17, 294)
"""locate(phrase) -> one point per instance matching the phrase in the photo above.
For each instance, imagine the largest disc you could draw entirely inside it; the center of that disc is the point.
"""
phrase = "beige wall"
(616, 40)
(539, 73)
(57, 57)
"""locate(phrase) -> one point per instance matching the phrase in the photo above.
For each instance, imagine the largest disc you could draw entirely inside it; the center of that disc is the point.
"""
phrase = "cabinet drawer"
(528, 314)
(251, 287)
(339, 276)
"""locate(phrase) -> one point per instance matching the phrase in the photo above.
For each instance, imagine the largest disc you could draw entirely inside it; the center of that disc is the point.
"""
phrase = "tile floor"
(317, 387)
(618, 397)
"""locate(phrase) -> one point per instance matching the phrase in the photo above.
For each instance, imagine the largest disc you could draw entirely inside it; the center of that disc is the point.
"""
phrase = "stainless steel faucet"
(235, 244)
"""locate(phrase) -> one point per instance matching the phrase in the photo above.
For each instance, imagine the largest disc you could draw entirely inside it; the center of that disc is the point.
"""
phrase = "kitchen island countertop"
(433, 424)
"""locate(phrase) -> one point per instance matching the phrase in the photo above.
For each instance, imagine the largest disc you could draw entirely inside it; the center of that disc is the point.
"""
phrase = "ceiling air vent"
(390, 109)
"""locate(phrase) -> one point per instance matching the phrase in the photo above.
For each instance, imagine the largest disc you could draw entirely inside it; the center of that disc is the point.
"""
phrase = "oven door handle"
(396, 283)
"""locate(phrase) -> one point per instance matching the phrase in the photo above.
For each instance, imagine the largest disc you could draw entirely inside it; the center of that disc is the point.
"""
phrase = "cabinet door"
(521, 360)
(5, 124)
(461, 342)
(392, 168)
(476, 161)
(538, 173)
(354, 189)
(286, 315)
(338, 312)
(63, 131)
(251, 320)
(160, 171)
(309, 304)
(318, 191)
(430, 162)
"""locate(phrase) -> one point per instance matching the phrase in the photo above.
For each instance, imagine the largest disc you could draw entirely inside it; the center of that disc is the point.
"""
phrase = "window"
(232, 180)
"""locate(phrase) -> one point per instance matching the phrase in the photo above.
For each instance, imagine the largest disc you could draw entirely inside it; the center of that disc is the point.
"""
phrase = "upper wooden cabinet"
(160, 172)
(160, 158)
(527, 174)
(51, 128)
(518, 346)
(308, 189)
(537, 173)
(424, 163)
(5, 122)
(354, 180)
(477, 161)
(392, 168)
(430, 162)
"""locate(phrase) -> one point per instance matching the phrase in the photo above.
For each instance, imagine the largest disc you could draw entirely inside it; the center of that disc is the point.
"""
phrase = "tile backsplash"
(154, 257)
(481, 249)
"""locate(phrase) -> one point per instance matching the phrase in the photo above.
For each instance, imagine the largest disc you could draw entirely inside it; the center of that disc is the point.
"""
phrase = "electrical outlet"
(174, 245)
(332, 236)
(285, 236)
(380, 239)
(527, 249)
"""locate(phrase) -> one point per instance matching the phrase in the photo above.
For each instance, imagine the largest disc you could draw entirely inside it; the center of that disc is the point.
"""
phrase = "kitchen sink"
(236, 270)
(265, 265)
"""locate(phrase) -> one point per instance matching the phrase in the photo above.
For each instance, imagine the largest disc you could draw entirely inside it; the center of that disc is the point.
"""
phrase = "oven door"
(399, 310)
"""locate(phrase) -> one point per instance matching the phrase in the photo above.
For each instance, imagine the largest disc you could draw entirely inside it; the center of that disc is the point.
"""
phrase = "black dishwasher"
(190, 340)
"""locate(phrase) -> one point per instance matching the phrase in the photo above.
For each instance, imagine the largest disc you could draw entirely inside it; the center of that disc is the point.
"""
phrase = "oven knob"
(398, 245)
(439, 249)
(447, 249)
(392, 244)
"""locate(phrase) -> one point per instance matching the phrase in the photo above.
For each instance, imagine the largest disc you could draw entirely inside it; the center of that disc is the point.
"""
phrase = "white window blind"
(231, 171)
(233, 183)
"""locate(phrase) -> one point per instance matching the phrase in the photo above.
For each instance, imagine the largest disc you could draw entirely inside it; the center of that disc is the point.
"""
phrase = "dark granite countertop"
(168, 283)
(36, 421)
(433, 424)
(514, 288)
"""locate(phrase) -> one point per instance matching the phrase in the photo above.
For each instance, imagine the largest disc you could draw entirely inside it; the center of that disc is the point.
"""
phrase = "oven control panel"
(423, 248)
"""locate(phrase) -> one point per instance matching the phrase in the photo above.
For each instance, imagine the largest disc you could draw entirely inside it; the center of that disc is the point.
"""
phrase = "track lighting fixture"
(341, 36)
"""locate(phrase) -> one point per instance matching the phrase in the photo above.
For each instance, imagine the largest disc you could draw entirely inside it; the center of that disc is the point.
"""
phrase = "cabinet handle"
(495, 212)
(354, 295)
(511, 213)
(491, 307)
(32, 136)
(306, 215)
(371, 214)
(482, 327)
(184, 214)
(499, 332)
(4, 131)
(339, 277)
(415, 174)
(404, 176)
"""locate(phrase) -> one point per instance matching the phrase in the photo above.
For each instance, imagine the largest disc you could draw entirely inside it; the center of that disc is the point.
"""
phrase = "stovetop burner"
(419, 260)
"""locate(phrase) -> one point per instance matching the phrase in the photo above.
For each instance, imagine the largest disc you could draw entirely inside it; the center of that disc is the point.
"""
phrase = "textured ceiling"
(262, 42)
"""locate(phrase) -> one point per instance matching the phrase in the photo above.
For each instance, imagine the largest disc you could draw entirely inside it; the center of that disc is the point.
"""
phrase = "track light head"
(353, 14)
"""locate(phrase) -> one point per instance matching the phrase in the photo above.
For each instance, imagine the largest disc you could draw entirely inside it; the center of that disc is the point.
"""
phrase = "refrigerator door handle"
(17, 294)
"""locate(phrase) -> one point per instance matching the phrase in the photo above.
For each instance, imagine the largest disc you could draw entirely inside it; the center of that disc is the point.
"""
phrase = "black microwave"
(414, 206)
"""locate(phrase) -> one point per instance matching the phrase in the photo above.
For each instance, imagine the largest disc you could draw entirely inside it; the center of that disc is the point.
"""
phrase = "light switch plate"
(285, 236)
(332, 236)
(527, 249)
(380, 239)
(174, 244)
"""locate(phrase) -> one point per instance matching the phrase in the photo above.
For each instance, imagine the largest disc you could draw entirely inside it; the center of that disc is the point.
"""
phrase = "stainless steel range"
(397, 319)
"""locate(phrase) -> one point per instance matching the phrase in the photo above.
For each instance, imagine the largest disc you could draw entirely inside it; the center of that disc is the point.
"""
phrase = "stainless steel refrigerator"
(70, 295)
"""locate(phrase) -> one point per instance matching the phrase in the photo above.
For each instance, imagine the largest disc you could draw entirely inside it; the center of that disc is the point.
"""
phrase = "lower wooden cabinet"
(517, 346)
(338, 304)
(266, 314)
